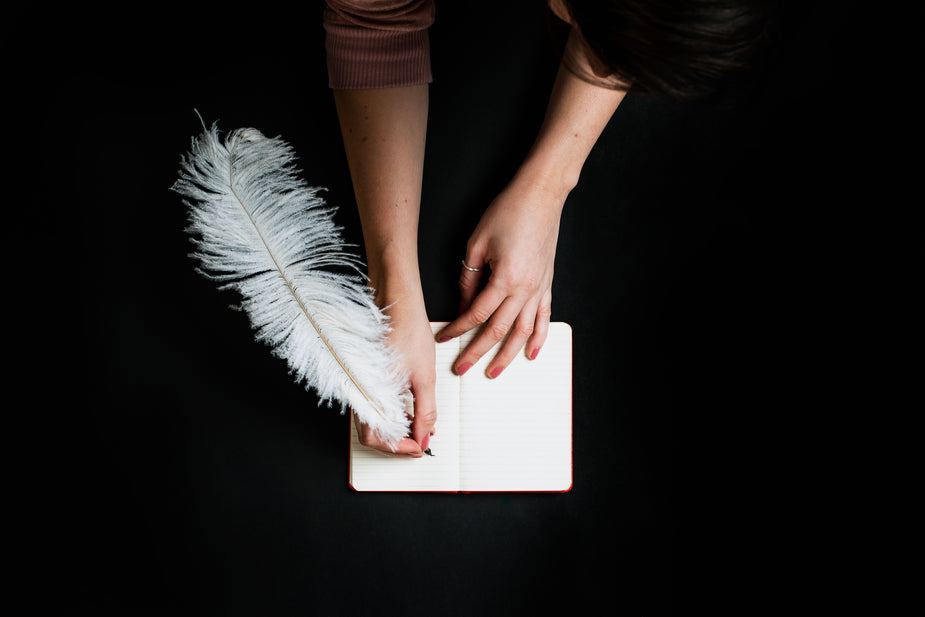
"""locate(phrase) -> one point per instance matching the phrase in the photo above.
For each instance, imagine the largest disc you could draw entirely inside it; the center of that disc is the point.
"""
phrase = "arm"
(383, 131)
(378, 66)
(517, 235)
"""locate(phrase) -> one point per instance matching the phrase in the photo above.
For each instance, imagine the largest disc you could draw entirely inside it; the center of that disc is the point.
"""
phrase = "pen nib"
(428, 452)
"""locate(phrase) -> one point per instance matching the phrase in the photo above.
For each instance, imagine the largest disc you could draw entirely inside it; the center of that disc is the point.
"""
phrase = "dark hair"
(681, 48)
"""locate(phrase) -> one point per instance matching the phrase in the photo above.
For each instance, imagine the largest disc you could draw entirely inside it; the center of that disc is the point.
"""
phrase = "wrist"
(393, 277)
(548, 174)
(555, 161)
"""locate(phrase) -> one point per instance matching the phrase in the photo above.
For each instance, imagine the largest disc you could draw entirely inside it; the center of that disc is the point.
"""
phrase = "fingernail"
(425, 442)
(495, 372)
(462, 368)
(534, 353)
(442, 339)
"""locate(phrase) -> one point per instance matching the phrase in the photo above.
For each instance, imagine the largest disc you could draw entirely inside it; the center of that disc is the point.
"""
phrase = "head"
(681, 48)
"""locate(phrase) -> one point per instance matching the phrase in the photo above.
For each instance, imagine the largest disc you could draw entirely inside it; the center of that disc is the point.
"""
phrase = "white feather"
(260, 230)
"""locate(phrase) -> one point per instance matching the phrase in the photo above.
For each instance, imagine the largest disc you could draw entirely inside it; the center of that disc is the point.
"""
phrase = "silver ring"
(469, 268)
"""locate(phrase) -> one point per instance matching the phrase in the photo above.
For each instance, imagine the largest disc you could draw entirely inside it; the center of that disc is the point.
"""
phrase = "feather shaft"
(301, 304)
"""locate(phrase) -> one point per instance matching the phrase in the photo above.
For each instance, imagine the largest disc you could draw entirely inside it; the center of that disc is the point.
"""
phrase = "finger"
(482, 308)
(474, 268)
(517, 337)
(540, 328)
(494, 331)
(425, 412)
(469, 283)
(407, 447)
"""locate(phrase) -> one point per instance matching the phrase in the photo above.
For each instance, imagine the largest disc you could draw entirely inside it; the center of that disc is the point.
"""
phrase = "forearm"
(576, 116)
(383, 131)
(384, 135)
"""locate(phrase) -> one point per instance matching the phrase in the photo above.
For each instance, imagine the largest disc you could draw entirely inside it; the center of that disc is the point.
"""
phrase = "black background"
(173, 465)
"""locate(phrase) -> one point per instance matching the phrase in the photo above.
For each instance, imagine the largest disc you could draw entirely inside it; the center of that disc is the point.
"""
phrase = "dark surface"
(176, 466)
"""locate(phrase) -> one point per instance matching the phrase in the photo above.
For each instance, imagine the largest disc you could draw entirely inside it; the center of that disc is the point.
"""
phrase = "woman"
(379, 69)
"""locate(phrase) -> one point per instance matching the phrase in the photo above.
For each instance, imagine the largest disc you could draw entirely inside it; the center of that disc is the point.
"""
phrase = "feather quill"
(259, 229)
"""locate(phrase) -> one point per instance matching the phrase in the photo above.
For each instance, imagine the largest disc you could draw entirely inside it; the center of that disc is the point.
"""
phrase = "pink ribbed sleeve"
(377, 43)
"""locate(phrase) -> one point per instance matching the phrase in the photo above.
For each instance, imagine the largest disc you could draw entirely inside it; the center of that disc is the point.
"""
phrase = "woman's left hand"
(515, 244)
(515, 241)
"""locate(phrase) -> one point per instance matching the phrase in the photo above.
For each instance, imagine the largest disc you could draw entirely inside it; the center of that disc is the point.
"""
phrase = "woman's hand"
(516, 239)
(413, 338)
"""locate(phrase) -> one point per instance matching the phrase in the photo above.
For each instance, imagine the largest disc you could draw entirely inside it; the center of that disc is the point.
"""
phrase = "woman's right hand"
(384, 133)
(413, 338)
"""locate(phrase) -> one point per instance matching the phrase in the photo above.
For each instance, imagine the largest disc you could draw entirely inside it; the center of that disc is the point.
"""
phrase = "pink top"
(377, 43)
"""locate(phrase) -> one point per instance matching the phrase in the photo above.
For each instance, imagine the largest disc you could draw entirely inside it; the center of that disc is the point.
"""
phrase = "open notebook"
(513, 433)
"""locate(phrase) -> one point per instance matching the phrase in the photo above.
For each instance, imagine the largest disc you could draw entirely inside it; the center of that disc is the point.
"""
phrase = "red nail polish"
(442, 339)
(462, 368)
(534, 353)
(425, 442)
(495, 372)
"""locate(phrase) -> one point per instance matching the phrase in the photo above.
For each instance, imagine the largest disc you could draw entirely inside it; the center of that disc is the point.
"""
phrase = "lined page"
(371, 470)
(516, 430)
(513, 433)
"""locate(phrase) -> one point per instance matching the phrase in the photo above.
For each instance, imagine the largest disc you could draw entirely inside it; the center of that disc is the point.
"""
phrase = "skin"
(384, 135)
(516, 237)
(514, 243)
